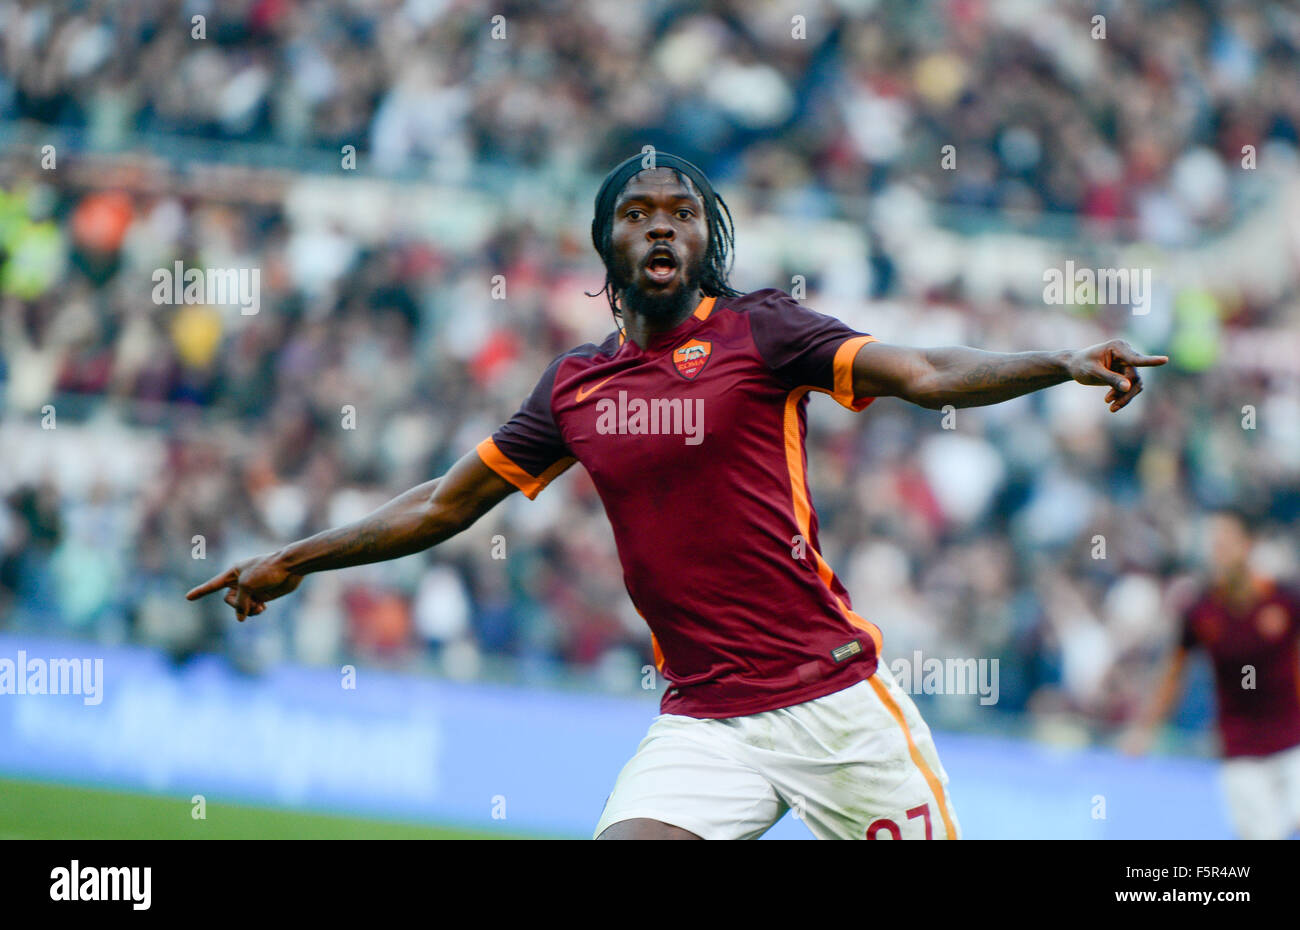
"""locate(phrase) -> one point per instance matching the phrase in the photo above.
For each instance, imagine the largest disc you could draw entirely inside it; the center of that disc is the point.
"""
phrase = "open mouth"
(661, 265)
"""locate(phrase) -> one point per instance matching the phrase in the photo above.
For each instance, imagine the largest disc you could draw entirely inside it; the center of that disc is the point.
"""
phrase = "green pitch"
(30, 810)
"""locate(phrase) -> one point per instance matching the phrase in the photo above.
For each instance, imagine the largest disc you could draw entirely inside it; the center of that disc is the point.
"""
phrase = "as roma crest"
(689, 357)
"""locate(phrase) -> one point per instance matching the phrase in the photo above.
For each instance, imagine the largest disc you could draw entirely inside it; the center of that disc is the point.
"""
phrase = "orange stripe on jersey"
(936, 787)
(794, 458)
(496, 460)
(825, 573)
(701, 312)
(803, 510)
(843, 368)
(654, 643)
(555, 471)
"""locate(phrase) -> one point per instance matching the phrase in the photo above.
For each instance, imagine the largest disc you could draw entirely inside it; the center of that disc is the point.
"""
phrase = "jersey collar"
(661, 341)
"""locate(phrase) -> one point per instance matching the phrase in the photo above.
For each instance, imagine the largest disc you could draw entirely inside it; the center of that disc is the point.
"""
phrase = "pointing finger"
(1137, 358)
(214, 583)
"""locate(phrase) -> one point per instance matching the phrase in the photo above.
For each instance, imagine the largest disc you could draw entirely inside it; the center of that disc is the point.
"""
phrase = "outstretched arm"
(422, 517)
(965, 377)
(1139, 738)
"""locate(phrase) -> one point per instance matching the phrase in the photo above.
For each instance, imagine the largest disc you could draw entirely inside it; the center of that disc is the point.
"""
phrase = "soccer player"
(690, 419)
(1249, 626)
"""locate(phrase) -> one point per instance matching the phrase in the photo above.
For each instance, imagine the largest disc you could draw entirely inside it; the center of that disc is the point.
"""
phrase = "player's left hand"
(1115, 363)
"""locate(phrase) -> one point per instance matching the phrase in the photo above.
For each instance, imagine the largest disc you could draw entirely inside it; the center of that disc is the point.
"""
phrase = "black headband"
(617, 179)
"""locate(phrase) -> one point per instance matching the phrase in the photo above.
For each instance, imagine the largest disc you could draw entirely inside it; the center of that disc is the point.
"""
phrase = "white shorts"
(856, 764)
(1263, 794)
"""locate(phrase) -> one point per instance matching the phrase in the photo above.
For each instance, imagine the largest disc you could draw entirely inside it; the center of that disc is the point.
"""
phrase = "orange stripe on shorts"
(930, 778)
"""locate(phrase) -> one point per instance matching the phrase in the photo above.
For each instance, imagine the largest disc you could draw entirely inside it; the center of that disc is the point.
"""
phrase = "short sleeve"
(528, 450)
(805, 348)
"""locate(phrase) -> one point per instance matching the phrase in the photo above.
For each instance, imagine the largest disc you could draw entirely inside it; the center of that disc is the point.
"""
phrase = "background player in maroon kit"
(690, 419)
(1249, 626)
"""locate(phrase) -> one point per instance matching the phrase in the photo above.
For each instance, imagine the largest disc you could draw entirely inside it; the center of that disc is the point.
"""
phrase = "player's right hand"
(251, 584)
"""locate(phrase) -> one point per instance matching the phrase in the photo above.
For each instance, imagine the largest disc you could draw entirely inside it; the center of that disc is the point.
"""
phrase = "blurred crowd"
(1139, 118)
(147, 445)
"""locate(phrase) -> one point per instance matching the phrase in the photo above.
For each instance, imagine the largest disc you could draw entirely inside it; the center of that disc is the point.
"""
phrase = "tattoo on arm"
(365, 540)
(972, 377)
(984, 377)
(399, 528)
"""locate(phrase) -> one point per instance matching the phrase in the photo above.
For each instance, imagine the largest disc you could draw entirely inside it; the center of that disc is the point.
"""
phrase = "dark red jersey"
(695, 444)
(1253, 649)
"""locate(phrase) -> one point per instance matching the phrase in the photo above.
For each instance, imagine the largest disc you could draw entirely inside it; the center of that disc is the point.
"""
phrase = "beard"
(661, 306)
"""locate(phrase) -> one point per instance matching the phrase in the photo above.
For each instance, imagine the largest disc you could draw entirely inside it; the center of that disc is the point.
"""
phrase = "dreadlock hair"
(721, 229)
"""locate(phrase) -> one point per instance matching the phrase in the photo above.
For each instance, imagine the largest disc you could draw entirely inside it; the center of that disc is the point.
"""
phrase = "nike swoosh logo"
(583, 395)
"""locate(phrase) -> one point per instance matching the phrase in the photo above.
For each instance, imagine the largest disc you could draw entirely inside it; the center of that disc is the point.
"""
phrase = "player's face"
(1229, 544)
(660, 236)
